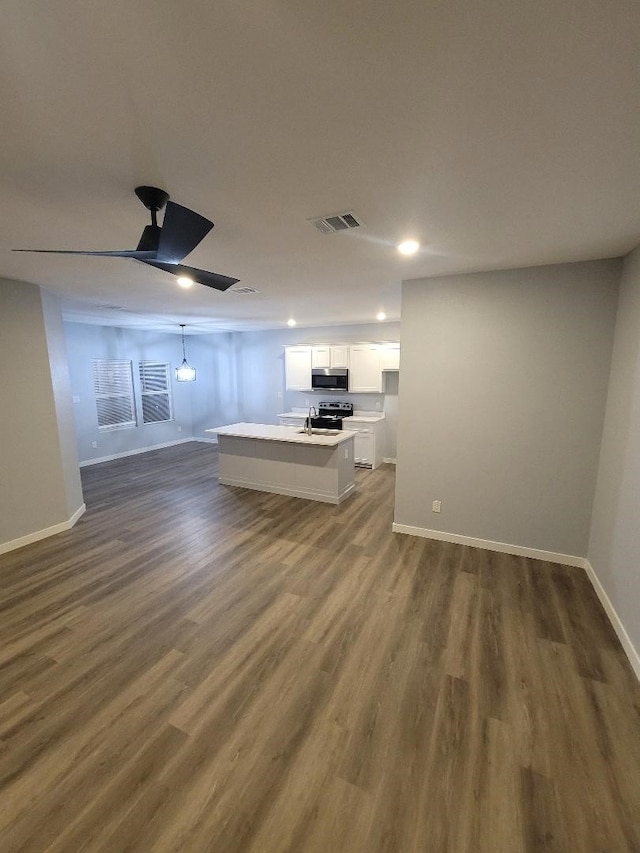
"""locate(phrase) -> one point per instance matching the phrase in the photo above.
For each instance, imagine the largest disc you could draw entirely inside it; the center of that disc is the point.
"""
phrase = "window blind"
(113, 388)
(156, 392)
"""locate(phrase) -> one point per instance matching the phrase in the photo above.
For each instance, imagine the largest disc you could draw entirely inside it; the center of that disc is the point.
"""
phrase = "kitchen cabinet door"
(368, 441)
(320, 357)
(365, 372)
(390, 357)
(327, 356)
(363, 449)
(297, 365)
(339, 356)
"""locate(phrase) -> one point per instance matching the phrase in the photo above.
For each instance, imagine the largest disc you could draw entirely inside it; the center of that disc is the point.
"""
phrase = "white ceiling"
(498, 133)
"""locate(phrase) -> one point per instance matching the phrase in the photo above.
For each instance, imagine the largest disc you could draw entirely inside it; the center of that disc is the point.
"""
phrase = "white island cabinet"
(287, 461)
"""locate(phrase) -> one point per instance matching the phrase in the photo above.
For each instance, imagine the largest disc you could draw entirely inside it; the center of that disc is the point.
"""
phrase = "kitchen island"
(287, 461)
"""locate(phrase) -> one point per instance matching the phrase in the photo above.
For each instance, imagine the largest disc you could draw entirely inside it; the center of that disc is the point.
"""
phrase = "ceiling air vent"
(338, 222)
(244, 291)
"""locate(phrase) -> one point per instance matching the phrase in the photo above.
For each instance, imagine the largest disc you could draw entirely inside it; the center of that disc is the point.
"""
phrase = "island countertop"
(290, 434)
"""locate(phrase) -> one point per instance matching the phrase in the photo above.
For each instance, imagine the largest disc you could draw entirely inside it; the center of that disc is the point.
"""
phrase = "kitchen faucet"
(311, 409)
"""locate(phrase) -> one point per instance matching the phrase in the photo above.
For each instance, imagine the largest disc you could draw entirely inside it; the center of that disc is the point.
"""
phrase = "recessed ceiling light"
(381, 315)
(408, 247)
(291, 322)
(185, 282)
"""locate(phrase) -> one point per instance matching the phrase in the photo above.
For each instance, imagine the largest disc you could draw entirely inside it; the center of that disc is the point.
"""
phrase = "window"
(113, 387)
(156, 392)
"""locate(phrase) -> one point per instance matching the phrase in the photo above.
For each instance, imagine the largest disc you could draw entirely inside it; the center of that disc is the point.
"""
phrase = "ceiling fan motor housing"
(152, 197)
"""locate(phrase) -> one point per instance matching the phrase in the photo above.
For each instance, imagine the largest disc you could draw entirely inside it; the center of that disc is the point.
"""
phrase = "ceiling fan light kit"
(163, 247)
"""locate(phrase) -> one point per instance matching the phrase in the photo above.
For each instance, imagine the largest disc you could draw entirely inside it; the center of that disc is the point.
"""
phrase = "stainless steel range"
(331, 414)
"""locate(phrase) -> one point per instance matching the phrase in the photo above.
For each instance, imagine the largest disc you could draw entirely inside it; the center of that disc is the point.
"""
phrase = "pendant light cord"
(184, 357)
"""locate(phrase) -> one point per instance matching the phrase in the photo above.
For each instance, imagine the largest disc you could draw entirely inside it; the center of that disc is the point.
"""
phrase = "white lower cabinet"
(367, 446)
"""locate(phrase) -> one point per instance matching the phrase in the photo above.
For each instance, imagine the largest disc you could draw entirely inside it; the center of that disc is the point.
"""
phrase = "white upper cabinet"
(297, 367)
(327, 356)
(339, 356)
(320, 357)
(365, 371)
(390, 356)
(365, 363)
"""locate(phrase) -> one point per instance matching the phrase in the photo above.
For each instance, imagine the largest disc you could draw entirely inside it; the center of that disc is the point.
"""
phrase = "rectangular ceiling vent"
(244, 291)
(338, 222)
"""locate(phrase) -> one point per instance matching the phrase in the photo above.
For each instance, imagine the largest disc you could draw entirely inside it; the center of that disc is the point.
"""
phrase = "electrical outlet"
(280, 395)
(75, 399)
(436, 506)
(179, 428)
(306, 401)
(378, 405)
(94, 444)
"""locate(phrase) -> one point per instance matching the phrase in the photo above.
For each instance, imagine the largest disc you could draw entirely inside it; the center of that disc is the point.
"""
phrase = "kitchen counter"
(290, 434)
(367, 427)
(280, 459)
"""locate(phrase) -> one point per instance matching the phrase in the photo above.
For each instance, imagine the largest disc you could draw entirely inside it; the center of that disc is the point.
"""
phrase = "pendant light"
(185, 373)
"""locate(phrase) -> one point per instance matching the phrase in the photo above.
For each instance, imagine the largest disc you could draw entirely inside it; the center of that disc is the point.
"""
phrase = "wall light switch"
(280, 395)
(75, 399)
(179, 428)
(94, 444)
(436, 506)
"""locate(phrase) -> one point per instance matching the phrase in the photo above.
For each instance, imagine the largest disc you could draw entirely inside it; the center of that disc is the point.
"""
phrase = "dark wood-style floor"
(200, 668)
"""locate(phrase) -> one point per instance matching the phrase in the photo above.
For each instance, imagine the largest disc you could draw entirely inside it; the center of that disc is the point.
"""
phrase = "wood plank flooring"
(200, 668)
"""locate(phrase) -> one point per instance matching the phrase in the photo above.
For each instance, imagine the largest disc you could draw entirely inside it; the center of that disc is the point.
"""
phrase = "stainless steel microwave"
(330, 378)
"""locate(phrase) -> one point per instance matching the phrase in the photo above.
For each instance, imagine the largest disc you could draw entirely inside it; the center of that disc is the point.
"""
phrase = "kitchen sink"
(319, 431)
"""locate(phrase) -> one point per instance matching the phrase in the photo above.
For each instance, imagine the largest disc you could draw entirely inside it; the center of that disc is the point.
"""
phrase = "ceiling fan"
(164, 246)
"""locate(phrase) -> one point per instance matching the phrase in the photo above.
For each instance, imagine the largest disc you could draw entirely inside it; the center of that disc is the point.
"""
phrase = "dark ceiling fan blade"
(124, 253)
(210, 279)
(182, 230)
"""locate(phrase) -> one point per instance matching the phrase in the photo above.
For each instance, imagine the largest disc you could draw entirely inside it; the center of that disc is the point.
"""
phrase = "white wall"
(614, 547)
(503, 390)
(215, 395)
(86, 342)
(39, 478)
(62, 400)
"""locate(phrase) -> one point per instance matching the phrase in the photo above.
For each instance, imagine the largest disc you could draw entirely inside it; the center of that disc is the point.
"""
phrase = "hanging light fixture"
(185, 373)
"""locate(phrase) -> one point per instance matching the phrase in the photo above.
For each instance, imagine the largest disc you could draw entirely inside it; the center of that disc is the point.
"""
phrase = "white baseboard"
(487, 544)
(134, 452)
(206, 440)
(390, 460)
(618, 627)
(37, 535)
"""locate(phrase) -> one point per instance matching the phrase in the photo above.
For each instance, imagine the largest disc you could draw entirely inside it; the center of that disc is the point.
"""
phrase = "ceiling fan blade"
(210, 279)
(182, 230)
(124, 253)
